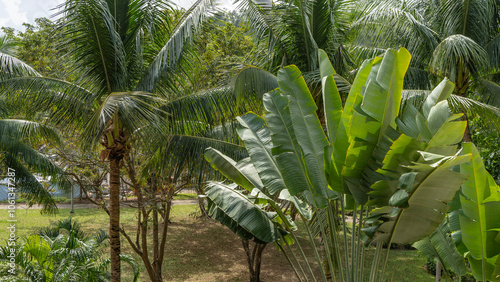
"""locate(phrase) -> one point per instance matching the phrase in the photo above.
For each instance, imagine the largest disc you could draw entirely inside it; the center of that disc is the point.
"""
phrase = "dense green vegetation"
(328, 129)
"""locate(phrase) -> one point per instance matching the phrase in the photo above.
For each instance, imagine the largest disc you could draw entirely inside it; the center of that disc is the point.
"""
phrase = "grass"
(57, 199)
(186, 196)
(201, 250)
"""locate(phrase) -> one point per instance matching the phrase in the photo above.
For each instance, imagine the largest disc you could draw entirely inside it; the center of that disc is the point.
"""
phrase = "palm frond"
(493, 50)
(253, 82)
(185, 153)
(489, 91)
(66, 103)
(135, 110)
(169, 55)
(314, 78)
(8, 45)
(259, 14)
(389, 23)
(456, 51)
(23, 129)
(29, 185)
(13, 67)
(473, 18)
(150, 24)
(193, 114)
(97, 45)
(486, 115)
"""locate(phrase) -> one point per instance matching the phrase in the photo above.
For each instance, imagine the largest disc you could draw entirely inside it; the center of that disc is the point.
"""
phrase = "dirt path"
(4, 206)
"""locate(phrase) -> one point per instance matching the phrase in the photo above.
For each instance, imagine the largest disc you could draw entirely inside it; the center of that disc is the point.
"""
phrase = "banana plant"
(390, 166)
(245, 218)
(473, 229)
(440, 246)
(475, 224)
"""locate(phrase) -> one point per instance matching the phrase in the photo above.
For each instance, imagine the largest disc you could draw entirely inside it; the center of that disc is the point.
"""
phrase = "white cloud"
(12, 15)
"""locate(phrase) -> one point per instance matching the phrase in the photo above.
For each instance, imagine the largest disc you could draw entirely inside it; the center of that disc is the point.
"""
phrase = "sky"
(13, 13)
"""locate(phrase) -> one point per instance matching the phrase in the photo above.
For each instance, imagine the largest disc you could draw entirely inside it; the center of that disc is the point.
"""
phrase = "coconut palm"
(121, 52)
(291, 32)
(455, 39)
(294, 30)
(19, 137)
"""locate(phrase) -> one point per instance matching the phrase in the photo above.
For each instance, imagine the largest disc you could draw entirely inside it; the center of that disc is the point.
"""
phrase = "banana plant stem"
(345, 238)
(313, 244)
(335, 239)
(353, 244)
(289, 261)
(303, 255)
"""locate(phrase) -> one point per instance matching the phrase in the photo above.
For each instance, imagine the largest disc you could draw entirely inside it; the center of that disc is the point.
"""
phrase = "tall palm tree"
(457, 39)
(293, 30)
(122, 51)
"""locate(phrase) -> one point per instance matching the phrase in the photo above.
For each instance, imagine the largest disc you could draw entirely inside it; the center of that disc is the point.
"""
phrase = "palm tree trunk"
(114, 217)
(467, 134)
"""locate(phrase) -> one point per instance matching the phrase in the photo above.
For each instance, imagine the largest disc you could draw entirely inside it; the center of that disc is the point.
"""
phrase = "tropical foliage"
(365, 148)
(385, 161)
(454, 39)
(63, 252)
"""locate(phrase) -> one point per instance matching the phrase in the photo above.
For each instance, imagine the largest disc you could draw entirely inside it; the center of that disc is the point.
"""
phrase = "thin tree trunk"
(254, 259)
(114, 217)
(438, 271)
(257, 261)
(249, 258)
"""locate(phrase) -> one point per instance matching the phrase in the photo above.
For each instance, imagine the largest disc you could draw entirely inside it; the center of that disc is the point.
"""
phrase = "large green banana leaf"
(257, 139)
(405, 151)
(332, 102)
(342, 138)
(238, 213)
(308, 130)
(242, 173)
(419, 181)
(480, 216)
(371, 121)
(422, 203)
(286, 149)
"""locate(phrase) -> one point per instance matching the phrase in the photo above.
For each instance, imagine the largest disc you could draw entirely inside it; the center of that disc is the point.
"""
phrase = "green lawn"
(201, 250)
(186, 196)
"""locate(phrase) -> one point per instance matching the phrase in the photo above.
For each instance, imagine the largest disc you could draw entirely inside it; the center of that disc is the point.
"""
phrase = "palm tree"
(293, 31)
(455, 39)
(121, 51)
(19, 138)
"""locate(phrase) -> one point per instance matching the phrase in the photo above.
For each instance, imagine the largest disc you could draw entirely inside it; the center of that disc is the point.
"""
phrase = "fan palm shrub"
(64, 252)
